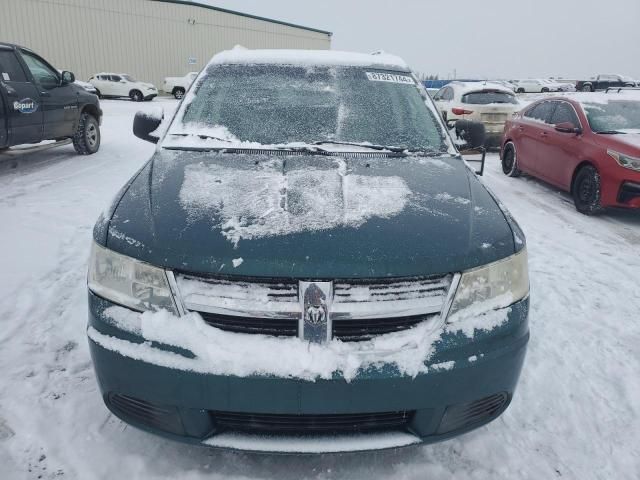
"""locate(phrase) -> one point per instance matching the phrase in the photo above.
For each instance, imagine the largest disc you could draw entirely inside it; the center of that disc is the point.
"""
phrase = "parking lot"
(575, 414)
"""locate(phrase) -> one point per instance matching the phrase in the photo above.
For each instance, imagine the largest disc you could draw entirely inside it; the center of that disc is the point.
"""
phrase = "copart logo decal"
(26, 105)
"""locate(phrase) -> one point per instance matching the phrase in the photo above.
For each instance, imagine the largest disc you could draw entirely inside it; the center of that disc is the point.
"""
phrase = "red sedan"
(586, 143)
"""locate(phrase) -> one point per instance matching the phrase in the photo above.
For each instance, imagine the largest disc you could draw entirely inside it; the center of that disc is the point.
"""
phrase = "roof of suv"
(241, 55)
(468, 87)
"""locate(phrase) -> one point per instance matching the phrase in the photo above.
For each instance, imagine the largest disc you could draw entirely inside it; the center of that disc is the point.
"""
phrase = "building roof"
(211, 7)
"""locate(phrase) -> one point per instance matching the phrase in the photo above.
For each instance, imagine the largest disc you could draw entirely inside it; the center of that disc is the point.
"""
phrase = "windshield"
(128, 78)
(617, 115)
(487, 96)
(284, 104)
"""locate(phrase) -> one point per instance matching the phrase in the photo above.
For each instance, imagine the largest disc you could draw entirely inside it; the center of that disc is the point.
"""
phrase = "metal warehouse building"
(149, 39)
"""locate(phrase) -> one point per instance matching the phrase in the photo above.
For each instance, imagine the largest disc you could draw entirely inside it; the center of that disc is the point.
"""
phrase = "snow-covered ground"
(575, 415)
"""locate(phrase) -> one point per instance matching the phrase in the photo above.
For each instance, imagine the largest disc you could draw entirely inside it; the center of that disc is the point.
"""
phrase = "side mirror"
(67, 77)
(470, 137)
(145, 123)
(567, 127)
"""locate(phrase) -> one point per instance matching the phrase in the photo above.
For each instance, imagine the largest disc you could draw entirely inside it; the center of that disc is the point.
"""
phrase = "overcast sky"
(477, 38)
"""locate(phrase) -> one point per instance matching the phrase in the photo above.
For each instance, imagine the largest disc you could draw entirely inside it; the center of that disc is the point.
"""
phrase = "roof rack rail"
(620, 89)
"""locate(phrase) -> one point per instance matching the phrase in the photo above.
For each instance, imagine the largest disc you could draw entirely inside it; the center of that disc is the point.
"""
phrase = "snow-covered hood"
(307, 216)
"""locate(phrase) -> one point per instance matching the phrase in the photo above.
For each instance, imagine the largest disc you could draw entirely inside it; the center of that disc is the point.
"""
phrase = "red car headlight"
(626, 161)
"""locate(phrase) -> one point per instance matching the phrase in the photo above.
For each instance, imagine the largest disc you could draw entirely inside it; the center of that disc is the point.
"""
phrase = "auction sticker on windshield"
(389, 77)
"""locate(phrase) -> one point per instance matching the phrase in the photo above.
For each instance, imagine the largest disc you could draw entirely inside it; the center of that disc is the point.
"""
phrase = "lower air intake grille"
(468, 414)
(139, 411)
(274, 423)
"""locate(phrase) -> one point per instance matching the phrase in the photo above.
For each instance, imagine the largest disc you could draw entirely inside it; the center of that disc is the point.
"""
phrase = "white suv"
(122, 85)
(533, 85)
(486, 102)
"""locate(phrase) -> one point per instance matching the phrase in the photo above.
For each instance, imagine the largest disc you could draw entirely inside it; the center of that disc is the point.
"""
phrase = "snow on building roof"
(201, 4)
(309, 57)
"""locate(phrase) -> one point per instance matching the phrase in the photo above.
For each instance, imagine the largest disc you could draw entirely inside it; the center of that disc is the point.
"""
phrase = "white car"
(177, 86)
(505, 83)
(486, 102)
(533, 85)
(116, 85)
(87, 86)
(560, 86)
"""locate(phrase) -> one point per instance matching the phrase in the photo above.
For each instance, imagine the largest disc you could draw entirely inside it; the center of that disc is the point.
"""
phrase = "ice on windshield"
(266, 104)
(613, 116)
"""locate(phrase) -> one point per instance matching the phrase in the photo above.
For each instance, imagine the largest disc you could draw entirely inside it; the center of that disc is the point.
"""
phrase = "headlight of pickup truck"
(493, 286)
(128, 282)
(626, 161)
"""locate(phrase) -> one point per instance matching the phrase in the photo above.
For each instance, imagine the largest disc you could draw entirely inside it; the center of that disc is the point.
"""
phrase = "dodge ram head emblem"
(315, 303)
(315, 324)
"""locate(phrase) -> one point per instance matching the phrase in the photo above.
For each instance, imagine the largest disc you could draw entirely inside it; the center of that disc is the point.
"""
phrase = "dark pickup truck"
(602, 82)
(37, 103)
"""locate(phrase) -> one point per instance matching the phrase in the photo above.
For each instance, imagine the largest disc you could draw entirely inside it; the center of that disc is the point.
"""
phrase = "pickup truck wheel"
(86, 140)
(520, 90)
(178, 93)
(586, 191)
(510, 161)
(136, 95)
(544, 90)
(587, 88)
(98, 93)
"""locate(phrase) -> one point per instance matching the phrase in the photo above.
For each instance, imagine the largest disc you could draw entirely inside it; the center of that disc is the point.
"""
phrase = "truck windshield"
(613, 116)
(284, 104)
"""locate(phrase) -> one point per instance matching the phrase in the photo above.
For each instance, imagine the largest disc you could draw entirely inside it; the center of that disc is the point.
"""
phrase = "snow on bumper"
(194, 382)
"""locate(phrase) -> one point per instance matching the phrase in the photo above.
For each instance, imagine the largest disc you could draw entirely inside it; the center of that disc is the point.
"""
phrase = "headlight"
(492, 286)
(128, 282)
(632, 163)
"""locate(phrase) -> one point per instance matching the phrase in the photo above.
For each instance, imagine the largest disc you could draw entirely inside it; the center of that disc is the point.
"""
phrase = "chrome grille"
(360, 309)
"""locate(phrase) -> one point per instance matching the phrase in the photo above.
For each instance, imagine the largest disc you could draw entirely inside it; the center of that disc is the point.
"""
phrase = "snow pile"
(268, 202)
(226, 353)
(308, 57)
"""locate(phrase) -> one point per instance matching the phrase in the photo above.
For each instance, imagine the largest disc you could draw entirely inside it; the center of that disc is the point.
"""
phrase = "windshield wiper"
(201, 135)
(390, 148)
(610, 132)
(364, 145)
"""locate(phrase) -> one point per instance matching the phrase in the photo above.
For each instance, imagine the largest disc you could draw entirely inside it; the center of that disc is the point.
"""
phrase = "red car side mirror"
(568, 127)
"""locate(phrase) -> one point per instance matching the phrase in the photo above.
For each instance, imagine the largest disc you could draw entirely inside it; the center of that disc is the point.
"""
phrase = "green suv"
(306, 264)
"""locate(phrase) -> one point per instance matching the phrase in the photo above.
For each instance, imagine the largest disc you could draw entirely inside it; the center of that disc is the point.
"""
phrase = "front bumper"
(620, 187)
(629, 194)
(481, 375)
